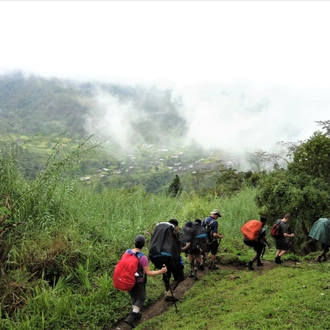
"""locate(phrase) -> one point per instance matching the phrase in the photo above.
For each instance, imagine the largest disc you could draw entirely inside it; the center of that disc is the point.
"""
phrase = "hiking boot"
(249, 265)
(191, 274)
(132, 317)
(171, 298)
(201, 267)
(213, 266)
(278, 260)
(259, 263)
(195, 274)
(138, 316)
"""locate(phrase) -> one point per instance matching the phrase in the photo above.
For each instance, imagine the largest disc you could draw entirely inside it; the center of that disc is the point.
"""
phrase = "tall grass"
(59, 263)
(84, 247)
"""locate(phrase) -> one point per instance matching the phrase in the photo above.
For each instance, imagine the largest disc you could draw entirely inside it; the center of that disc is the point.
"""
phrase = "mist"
(236, 118)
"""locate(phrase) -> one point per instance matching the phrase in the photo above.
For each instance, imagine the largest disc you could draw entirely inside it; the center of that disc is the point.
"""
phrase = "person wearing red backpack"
(138, 293)
(255, 236)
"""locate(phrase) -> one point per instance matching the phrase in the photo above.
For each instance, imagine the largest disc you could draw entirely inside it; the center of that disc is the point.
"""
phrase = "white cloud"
(188, 41)
(224, 57)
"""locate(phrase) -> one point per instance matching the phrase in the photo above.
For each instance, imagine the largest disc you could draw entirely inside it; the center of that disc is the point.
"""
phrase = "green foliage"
(32, 104)
(229, 182)
(175, 187)
(68, 257)
(303, 190)
(313, 157)
(57, 265)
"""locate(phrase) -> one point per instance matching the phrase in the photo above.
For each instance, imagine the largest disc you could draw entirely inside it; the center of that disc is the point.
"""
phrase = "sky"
(250, 73)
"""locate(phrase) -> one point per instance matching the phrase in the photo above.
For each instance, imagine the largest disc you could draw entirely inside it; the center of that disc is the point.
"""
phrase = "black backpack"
(206, 224)
(165, 247)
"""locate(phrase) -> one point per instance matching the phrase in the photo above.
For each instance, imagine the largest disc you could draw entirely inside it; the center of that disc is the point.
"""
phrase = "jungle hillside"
(73, 197)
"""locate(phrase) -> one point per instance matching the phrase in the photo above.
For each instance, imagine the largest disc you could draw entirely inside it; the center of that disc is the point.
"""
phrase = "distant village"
(150, 158)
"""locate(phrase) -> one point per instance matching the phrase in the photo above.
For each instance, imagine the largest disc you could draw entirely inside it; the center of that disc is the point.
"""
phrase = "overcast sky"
(224, 57)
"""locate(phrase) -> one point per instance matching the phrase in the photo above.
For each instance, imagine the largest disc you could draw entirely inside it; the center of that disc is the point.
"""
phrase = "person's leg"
(213, 249)
(278, 244)
(258, 250)
(138, 296)
(325, 250)
(198, 258)
(192, 266)
(253, 244)
(166, 280)
(283, 248)
(282, 252)
(133, 295)
(178, 276)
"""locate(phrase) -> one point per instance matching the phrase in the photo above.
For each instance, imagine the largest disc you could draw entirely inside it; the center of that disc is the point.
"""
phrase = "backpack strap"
(138, 255)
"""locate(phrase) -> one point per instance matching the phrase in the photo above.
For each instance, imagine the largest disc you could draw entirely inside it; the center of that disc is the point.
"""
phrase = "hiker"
(211, 222)
(320, 231)
(138, 293)
(282, 244)
(255, 236)
(202, 242)
(175, 269)
(166, 248)
(191, 231)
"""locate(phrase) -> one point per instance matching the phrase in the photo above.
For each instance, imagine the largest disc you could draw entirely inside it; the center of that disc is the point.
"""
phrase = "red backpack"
(252, 229)
(277, 230)
(127, 270)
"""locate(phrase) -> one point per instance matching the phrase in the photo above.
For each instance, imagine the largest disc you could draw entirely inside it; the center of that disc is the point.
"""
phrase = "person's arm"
(215, 230)
(186, 247)
(149, 272)
(265, 240)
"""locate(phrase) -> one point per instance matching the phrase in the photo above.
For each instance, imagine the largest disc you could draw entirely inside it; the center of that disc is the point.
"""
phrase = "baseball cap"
(140, 238)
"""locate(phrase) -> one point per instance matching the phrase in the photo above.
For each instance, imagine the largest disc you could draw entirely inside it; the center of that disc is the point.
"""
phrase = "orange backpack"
(252, 229)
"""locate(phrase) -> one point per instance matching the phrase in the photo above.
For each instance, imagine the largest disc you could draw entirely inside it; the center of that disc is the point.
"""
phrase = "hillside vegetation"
(62, 236)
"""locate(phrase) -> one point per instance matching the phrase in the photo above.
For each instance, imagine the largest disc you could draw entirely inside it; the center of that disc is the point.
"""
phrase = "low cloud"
(235, 118)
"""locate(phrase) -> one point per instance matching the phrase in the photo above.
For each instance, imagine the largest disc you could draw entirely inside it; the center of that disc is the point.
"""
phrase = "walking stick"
(291, 245)
(263, 251)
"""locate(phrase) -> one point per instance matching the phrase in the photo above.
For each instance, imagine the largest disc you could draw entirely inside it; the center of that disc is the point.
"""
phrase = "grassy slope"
(83, 247)
(292, 297)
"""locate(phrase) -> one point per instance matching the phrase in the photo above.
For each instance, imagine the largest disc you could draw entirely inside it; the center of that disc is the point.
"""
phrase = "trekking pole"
(167, 280)
(263, 251)
(291, 244)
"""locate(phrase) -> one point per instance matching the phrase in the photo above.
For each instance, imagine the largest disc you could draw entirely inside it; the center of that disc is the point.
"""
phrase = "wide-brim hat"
(215, 211)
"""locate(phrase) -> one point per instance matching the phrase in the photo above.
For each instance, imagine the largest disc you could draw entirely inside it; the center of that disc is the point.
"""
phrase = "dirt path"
(161, 305)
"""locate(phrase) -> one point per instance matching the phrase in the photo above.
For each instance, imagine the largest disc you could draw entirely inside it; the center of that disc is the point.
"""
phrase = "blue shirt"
(212, 222)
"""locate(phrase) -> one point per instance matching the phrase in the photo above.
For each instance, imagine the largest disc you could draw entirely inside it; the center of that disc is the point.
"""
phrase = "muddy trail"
(161, 305)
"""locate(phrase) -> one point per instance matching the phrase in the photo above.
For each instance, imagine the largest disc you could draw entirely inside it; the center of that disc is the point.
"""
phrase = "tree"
(262, 160)
(175, 187)
(313, 157)
(325, 125)
(302, 190)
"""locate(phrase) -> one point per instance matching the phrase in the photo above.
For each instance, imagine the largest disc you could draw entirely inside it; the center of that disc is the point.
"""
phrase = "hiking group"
(197, 239)
(167, 243)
